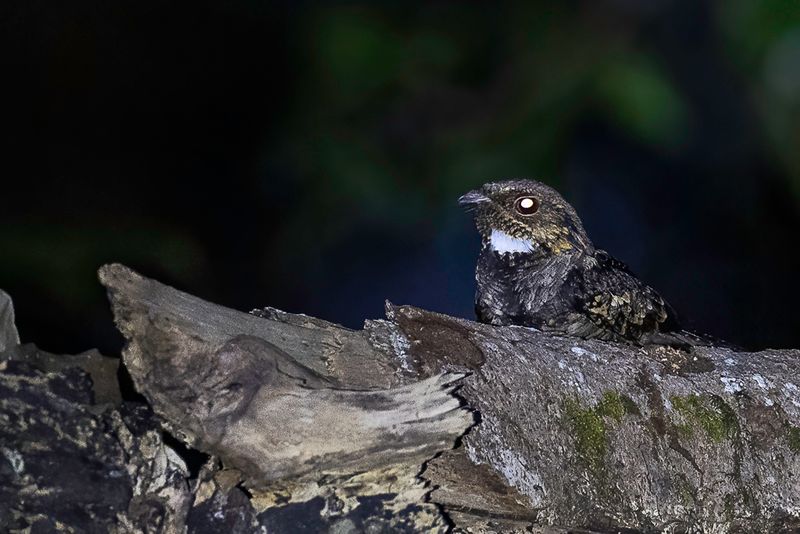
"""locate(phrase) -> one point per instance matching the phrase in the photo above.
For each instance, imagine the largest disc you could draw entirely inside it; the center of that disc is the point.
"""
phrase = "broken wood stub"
(293, 432)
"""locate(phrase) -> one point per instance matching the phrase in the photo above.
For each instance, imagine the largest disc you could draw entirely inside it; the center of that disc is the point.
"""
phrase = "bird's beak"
(472, 198)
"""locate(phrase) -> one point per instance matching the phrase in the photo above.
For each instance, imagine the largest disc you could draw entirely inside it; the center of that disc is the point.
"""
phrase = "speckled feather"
(544, 272)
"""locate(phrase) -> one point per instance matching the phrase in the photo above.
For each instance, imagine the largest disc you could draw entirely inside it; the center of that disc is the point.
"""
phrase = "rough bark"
(610, 436)
(70, 465)
(570, 434)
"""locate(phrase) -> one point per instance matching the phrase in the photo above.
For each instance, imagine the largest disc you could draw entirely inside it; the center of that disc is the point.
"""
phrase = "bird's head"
(525, 215)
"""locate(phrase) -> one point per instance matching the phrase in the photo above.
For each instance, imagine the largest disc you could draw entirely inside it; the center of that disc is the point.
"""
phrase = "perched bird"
(537, 267)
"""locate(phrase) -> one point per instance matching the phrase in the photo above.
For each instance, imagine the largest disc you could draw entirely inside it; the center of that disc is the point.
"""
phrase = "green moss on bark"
(590, 426)
(614, 405)
(710, 413)
(590, 433)
(793, 436)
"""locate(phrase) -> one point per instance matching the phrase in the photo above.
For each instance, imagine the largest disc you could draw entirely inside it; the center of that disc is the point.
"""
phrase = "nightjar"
(537, 267)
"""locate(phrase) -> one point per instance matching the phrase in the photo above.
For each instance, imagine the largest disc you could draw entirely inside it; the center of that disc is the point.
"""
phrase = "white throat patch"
(504, 244)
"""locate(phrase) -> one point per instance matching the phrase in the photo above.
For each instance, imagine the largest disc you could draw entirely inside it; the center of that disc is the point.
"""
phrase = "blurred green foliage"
(308, 155)
(61, 259)
(640, 99)
(421, 104)
(762, 39)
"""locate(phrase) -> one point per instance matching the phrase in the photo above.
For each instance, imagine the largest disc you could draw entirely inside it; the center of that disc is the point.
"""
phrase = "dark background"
(309, 156)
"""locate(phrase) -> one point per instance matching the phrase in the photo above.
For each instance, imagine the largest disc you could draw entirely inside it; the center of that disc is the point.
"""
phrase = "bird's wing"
(616, 301)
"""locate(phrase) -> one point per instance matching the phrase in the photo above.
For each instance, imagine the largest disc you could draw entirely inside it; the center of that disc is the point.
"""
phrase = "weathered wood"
(8, 329)
(343, 355)
(572, 432)
(261, 412)
(294, 433)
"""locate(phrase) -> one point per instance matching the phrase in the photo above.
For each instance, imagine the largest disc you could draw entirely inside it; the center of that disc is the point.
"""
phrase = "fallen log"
(311, 427)
(571, 432)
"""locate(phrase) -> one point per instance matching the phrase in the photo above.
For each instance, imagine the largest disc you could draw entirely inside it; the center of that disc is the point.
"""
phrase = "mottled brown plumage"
(537, 267)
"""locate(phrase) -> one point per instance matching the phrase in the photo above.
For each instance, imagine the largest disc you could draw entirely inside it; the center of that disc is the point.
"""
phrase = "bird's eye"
(526, 205)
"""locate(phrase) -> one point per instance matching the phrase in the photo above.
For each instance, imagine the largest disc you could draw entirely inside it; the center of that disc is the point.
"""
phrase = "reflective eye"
(526, 205)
